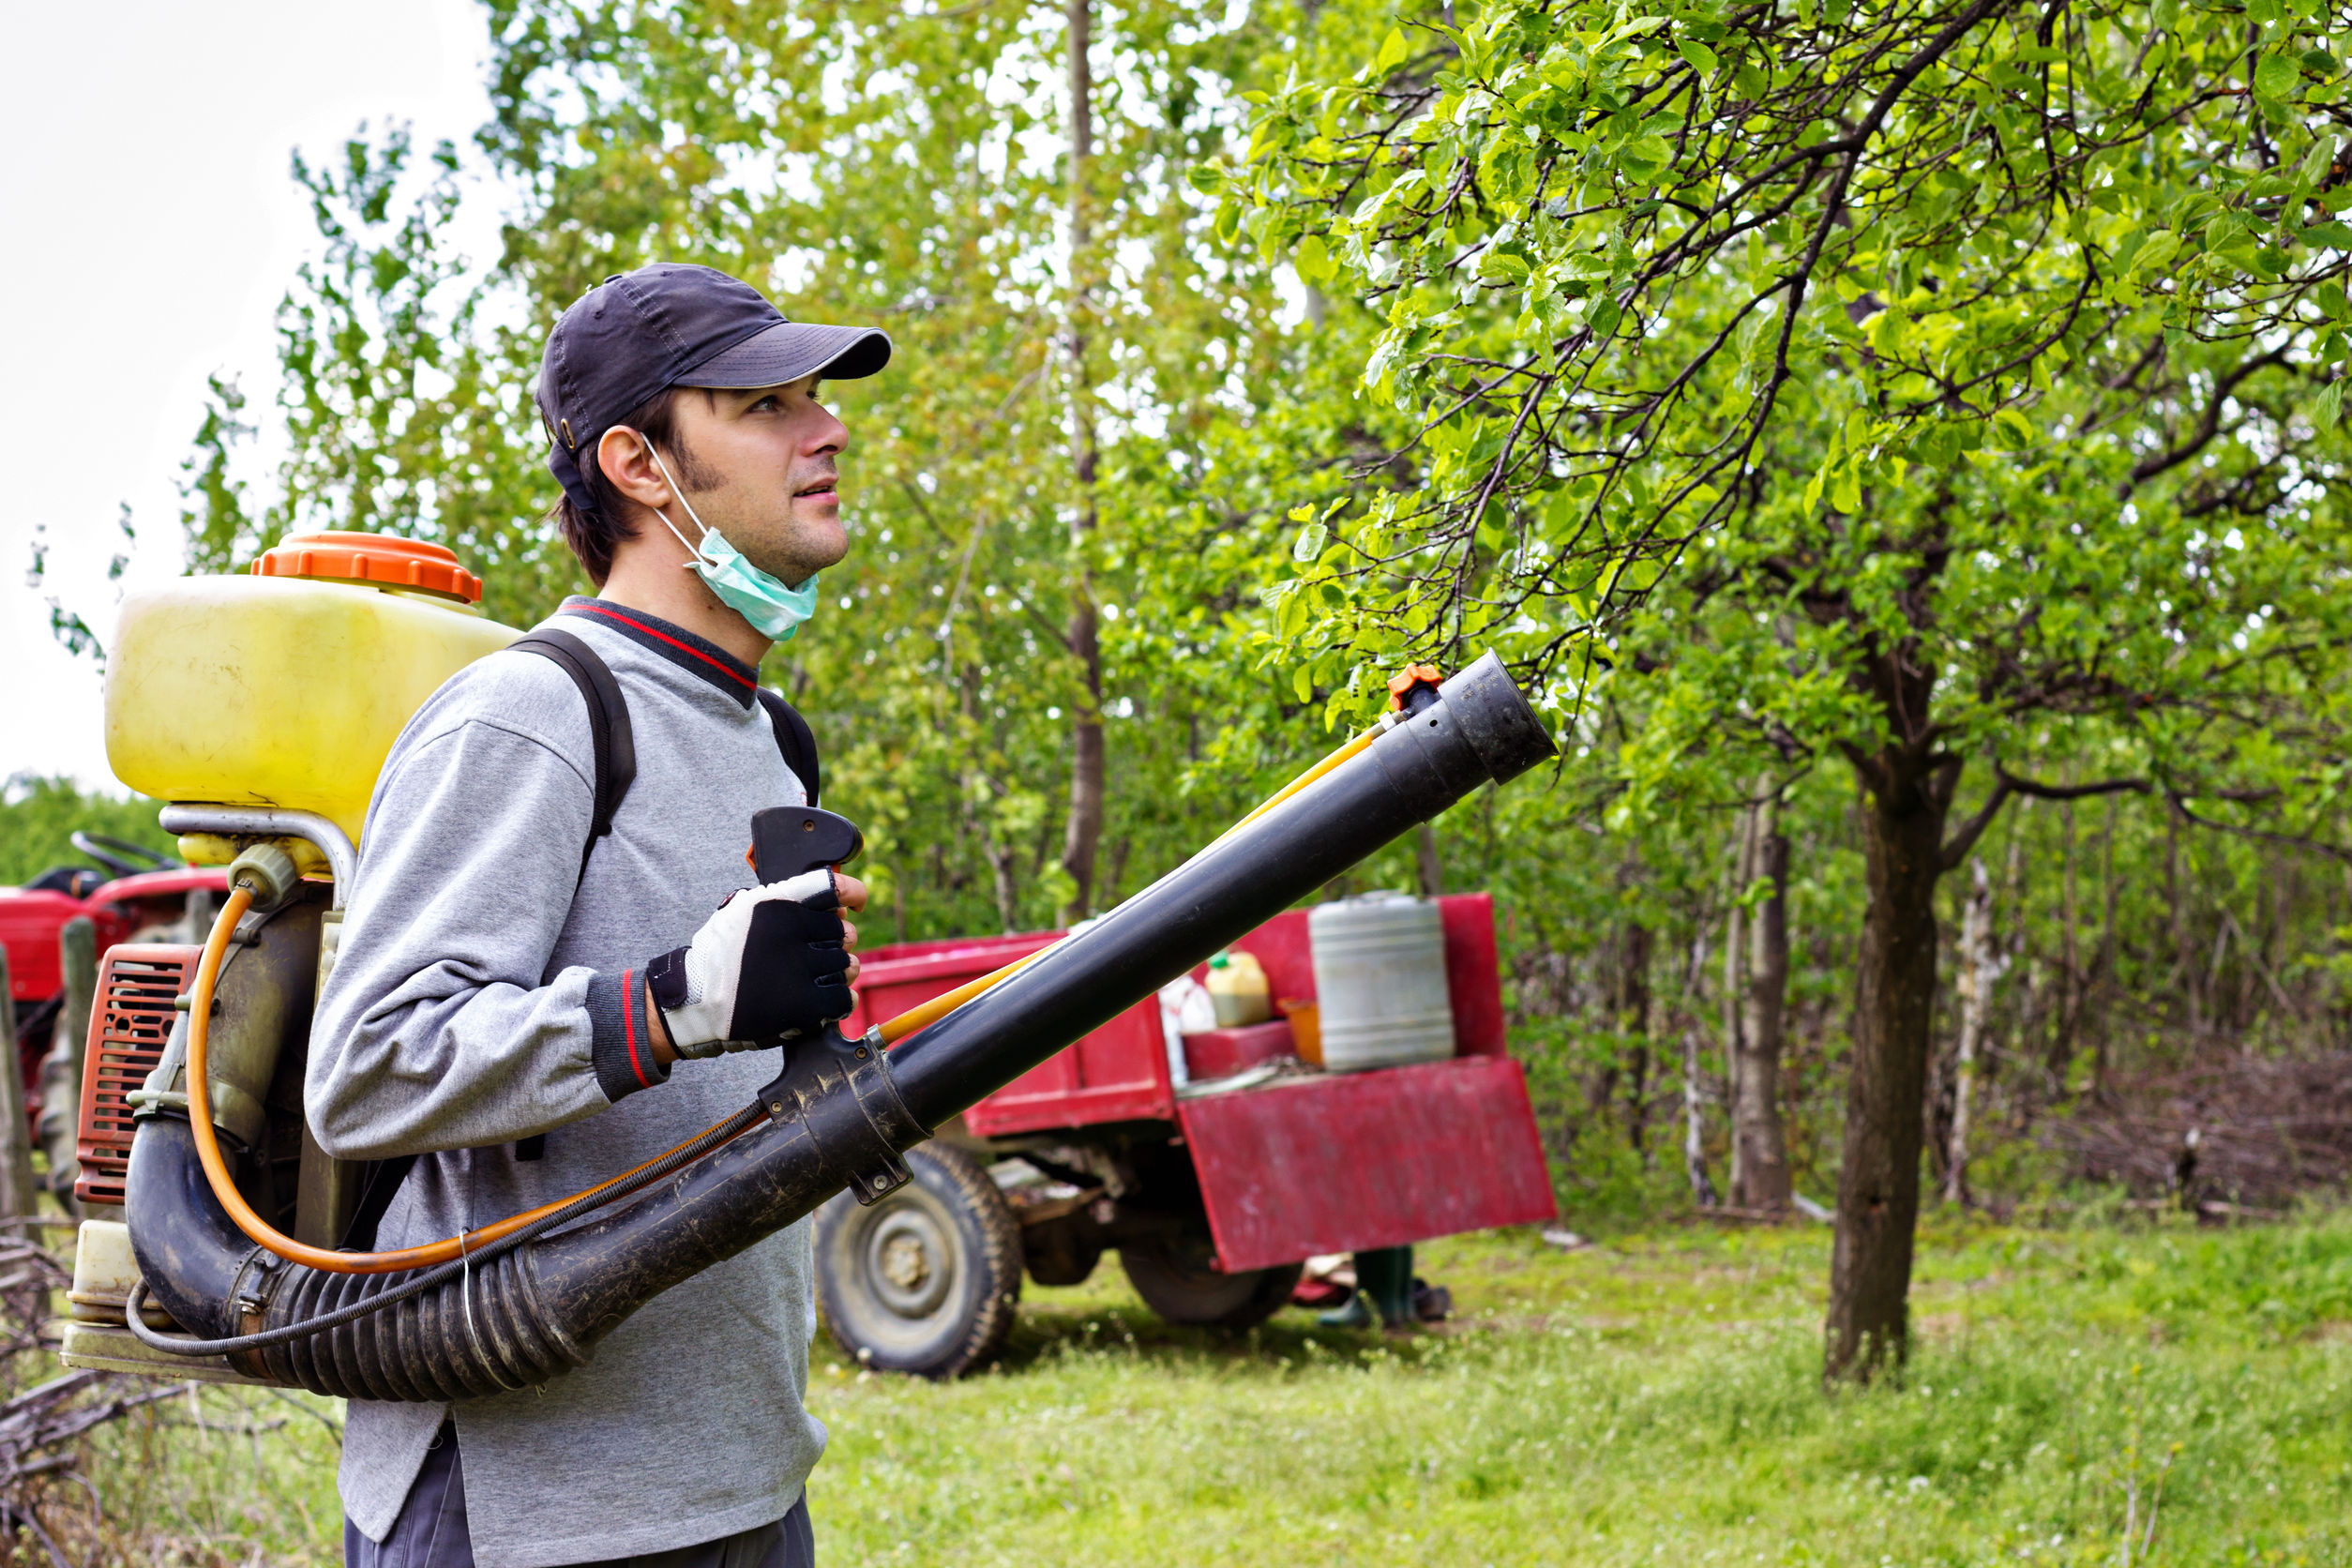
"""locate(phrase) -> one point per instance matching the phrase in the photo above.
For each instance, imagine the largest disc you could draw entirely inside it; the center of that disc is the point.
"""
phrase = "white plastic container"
(1379, 982)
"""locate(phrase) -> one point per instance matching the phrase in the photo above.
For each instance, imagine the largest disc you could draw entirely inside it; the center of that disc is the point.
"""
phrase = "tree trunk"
(2103, 956)
(1868, 1326)
(1694, 1098)
(979, 788)
(1978, 970)
(2184, 946)
(1755, 1127)
(1693, 1123)
(1632, 1022)
(1734, 953)
(61, 1070)
(1432, 868)
(2071, 979)
(1082, 831)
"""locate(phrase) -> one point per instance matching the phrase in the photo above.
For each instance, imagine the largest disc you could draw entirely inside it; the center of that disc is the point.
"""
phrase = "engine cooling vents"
(128, 1026)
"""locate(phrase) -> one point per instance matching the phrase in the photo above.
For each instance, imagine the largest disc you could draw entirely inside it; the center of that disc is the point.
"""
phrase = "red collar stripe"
(733, 674)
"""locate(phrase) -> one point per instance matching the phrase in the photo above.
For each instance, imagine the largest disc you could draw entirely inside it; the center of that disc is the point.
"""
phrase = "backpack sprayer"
(520, 1302)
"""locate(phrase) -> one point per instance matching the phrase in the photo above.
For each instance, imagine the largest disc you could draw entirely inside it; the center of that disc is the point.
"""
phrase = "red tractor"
(1213, 1192)
(139, 896)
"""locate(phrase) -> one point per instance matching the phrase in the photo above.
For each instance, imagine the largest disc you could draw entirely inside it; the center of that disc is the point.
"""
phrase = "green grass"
(1655, 1400)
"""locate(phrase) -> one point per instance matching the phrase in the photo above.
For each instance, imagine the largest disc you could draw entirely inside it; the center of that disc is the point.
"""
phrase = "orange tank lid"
(382, 559)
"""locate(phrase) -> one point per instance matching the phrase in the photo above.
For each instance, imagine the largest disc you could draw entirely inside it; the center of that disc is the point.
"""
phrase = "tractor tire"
(925, 1280)
(1176, 1281)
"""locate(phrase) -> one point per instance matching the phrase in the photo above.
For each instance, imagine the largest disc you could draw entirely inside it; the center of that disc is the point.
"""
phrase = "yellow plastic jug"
(287, 687)
(1238, 987)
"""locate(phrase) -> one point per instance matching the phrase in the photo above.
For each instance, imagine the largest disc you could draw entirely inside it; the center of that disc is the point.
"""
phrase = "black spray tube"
(841, 1112)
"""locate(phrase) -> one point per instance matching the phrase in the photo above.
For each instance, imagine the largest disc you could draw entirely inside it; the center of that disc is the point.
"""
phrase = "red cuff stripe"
(628, 1026)
(734, 675)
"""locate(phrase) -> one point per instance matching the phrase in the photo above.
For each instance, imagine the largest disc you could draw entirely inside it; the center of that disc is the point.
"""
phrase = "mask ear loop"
(679, 490)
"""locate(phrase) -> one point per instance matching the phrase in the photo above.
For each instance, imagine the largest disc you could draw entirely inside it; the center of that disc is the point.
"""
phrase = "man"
(531, 1006)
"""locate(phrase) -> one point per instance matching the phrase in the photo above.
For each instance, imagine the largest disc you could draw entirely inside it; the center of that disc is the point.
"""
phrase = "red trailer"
(1212, 1193)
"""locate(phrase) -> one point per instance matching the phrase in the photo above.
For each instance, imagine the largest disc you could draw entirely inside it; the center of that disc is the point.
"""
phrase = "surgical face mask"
(774, 607)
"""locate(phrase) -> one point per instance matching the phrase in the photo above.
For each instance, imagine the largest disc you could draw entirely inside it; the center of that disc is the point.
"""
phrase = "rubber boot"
(1355, 1315)
(1387, 1276)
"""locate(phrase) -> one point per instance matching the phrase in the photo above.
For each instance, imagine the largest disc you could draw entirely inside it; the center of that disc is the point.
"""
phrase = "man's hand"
(775, 960)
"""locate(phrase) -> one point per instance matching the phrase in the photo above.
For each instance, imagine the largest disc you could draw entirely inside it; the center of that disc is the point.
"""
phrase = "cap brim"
(789, 351)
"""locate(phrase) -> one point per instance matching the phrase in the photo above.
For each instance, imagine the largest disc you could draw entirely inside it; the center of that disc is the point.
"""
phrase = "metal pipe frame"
(272, 822)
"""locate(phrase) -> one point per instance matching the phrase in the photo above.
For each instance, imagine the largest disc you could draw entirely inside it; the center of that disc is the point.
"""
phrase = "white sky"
(152, 229)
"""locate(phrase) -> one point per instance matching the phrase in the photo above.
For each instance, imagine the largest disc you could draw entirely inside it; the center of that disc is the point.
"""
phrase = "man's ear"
(628, 465)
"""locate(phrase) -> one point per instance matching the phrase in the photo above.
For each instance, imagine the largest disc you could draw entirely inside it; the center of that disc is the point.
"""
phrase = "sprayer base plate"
(103, 1348)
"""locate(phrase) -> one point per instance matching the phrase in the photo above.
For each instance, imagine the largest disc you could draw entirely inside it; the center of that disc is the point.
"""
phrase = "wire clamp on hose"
(473, 1335)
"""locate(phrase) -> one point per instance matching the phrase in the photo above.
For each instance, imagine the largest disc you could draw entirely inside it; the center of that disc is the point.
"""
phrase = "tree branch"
(2006, 784)
(1956, 848)
(2072, 792)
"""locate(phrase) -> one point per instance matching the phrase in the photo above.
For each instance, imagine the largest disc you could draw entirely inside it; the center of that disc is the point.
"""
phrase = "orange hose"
(263, 1234)
(260, 1230)
(906, 1023)
(1347, 751)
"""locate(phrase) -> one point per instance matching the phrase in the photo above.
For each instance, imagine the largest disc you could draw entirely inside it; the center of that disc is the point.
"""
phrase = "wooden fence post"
(61, 1070)
(17, 1193)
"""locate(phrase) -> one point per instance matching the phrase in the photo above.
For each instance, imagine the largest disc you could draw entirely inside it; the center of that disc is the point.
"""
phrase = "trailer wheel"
(1175, 1279)
(925, 1280)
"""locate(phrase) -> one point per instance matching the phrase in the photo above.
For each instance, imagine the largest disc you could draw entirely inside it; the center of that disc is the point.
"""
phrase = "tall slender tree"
(1946, 388)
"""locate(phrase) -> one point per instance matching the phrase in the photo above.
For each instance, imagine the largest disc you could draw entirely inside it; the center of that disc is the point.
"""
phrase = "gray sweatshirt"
(477, 999)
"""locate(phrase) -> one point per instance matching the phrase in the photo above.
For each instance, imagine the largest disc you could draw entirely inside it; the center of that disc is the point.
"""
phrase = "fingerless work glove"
(768, 966)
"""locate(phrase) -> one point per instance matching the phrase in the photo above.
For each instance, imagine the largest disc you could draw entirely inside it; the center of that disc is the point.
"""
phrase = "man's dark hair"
(592, 535)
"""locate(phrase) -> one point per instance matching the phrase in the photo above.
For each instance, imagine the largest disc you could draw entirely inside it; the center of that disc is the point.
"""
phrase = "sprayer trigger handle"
(787, 840)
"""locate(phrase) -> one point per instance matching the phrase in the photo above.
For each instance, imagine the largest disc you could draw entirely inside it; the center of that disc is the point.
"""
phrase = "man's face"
(765, 472)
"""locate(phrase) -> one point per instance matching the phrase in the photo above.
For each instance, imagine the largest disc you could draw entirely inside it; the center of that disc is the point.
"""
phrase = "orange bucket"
(1306, 1028)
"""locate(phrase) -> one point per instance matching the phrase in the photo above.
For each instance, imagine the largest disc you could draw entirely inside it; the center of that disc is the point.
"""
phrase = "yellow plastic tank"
(288, 687)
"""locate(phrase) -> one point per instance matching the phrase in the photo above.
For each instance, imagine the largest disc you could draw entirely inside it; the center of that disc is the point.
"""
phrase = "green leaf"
(2328, 406)
(2016, 427)
(2334, 236)
(1604, 316)
(1392, 52)
(1311, 259)
(1303, 682)
(1310, 542)
(1846, 494)
(2276, 77)
(2160, 249)
(1647, 154)
(1701, 58)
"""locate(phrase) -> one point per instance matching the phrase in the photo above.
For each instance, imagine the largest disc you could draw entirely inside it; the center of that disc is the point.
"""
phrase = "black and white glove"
(768, 966)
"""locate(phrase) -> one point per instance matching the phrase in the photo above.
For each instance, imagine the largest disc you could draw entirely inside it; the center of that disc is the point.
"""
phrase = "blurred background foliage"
(1129, 467)
(38, 818)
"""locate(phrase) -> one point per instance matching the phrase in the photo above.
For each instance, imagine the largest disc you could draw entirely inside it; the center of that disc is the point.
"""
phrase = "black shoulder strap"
(608, 720)
(379, 1182)
(796, 741)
